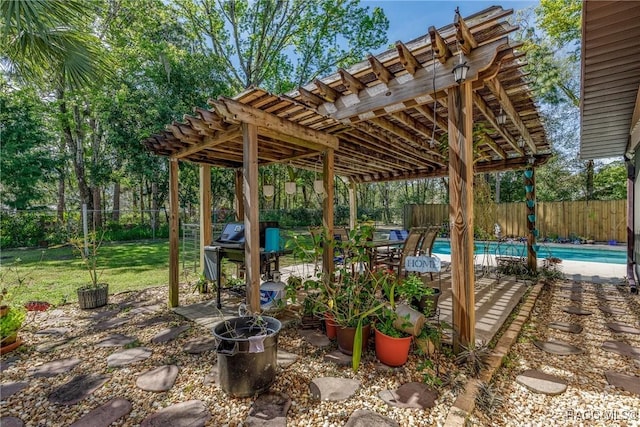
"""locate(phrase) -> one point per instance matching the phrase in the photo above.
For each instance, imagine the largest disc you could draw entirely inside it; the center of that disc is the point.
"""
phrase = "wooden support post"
(460, 106)
(238, 200)
(327, 212)
(174, 234)
(353, 205)
(205, 211)
(532, 256)
(251, 216)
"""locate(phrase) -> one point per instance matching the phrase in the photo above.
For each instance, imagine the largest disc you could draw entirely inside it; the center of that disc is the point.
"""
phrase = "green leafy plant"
(88, 251)
(12, 322)
(429, 373)
(385, 324)
(294, 283)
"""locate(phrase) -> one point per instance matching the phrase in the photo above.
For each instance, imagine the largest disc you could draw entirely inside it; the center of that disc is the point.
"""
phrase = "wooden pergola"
(399, 115)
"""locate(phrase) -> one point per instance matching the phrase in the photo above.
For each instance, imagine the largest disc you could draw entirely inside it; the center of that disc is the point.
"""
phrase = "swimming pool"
(569, 252)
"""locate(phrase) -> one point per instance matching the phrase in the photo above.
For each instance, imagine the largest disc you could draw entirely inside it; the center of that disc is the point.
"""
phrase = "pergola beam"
(409, 62)
(398, 91)
(208, 142)
(235, 111)
(501, 95)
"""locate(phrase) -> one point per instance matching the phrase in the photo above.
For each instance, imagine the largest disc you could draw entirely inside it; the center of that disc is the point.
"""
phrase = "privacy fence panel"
(600, 220)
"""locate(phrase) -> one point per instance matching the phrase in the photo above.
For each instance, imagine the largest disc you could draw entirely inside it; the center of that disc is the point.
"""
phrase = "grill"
(232, 236)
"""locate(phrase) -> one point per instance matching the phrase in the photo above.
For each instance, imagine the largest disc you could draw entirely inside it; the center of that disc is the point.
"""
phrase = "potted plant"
(419, 295)
(10, 324)
(95, 294)
(392, 344)
(12, 313)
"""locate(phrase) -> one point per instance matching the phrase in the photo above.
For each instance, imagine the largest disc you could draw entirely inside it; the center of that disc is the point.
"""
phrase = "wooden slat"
(409, 62)
(326, 92)
(327, 212)
(174, 235)
(310, 97)
(381, 72)
(351, 83)
(206, 237)
(466, 40)
(488, 114)
(209, 142)
(440, 48)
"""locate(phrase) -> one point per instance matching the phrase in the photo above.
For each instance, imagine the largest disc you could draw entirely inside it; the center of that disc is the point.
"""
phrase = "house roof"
(610, 77)
(386, 116)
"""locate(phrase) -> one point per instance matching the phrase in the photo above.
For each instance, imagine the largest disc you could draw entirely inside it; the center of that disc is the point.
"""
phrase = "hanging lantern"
(268, 191)
(290, 187)
(318, 186)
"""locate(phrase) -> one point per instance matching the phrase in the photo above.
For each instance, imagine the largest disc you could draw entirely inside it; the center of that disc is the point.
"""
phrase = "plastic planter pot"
(529, 188)
(535, 232)
(531, 203)
(528, 173)
(532, 218)
(247, 354)
(392, 351)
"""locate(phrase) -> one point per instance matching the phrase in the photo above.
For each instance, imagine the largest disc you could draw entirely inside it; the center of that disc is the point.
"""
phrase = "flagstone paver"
(53, 331)
(611, 310)
(107, 314)
(332, 388)
(11, 422)
(540, 382)
(8, 363)
(159, 379)
(315, 338)
(410, 395)
(286, 359)
(146, 309)
(9, 389)
(572, 328)
(55, 367)
(622, 348)
(169, 334)
(77, 389)
(558, 347)
(621, 328)
(156, 320)
(366, 418)
(110, 324)
(126, 357)
(52, 344)
(577, 310)
(338, 357)
(192, 413)
(200, 345)
(116, 340)
(269, 410)
(630, 383)
(105, 415)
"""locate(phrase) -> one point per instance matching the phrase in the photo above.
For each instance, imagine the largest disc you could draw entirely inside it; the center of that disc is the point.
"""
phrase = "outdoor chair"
(429, 239)
(411, 247)
(388, 253)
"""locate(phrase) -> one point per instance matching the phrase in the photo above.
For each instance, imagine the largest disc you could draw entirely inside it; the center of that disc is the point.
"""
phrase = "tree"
(25, 161)
(281, 44)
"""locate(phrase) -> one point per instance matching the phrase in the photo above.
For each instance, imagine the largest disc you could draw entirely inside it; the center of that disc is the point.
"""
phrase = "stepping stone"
(558, 347)
(56, 367)
(116, 340)
(200, 345)
(53, 331)
(338, 357)
(576, 310)
(212, 377)
(622, 348)
(146, 309)
(11, 422)
(169, 334)
(106, 414)
(611, 310)
(410, 395)
(572, 328)
(126, 357)
(110, 324)
(571, 289)
(315, 338)
(108, 314)
(52, 344)
(156, 320)
(366, 418)
(192, 413)
(621, 328)
(574, 298)
(8, 362)
(77, 389)
(9, 389)
(269, 410)
(629, 383)
(159, 379)
(612, 298)
(539, 382)
(286, 359)
(332, 388)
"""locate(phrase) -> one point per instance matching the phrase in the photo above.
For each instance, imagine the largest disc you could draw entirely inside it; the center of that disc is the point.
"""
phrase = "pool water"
(569, 252)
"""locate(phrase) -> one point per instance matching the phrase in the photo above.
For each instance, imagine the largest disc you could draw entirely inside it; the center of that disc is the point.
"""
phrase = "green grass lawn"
(54, 274)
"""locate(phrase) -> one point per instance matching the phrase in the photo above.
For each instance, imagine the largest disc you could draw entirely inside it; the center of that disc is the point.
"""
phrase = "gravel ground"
(193, 382)
(589, 400)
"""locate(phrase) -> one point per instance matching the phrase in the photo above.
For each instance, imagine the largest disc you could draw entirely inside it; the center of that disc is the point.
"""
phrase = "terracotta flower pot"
(392, 351)
(10, 343)
(346, 335)
(330, 326)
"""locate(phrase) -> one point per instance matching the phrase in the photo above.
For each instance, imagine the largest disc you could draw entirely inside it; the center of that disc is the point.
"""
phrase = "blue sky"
(411, 19)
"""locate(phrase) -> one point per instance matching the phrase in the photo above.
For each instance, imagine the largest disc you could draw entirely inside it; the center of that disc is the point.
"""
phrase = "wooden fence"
(600, 220)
